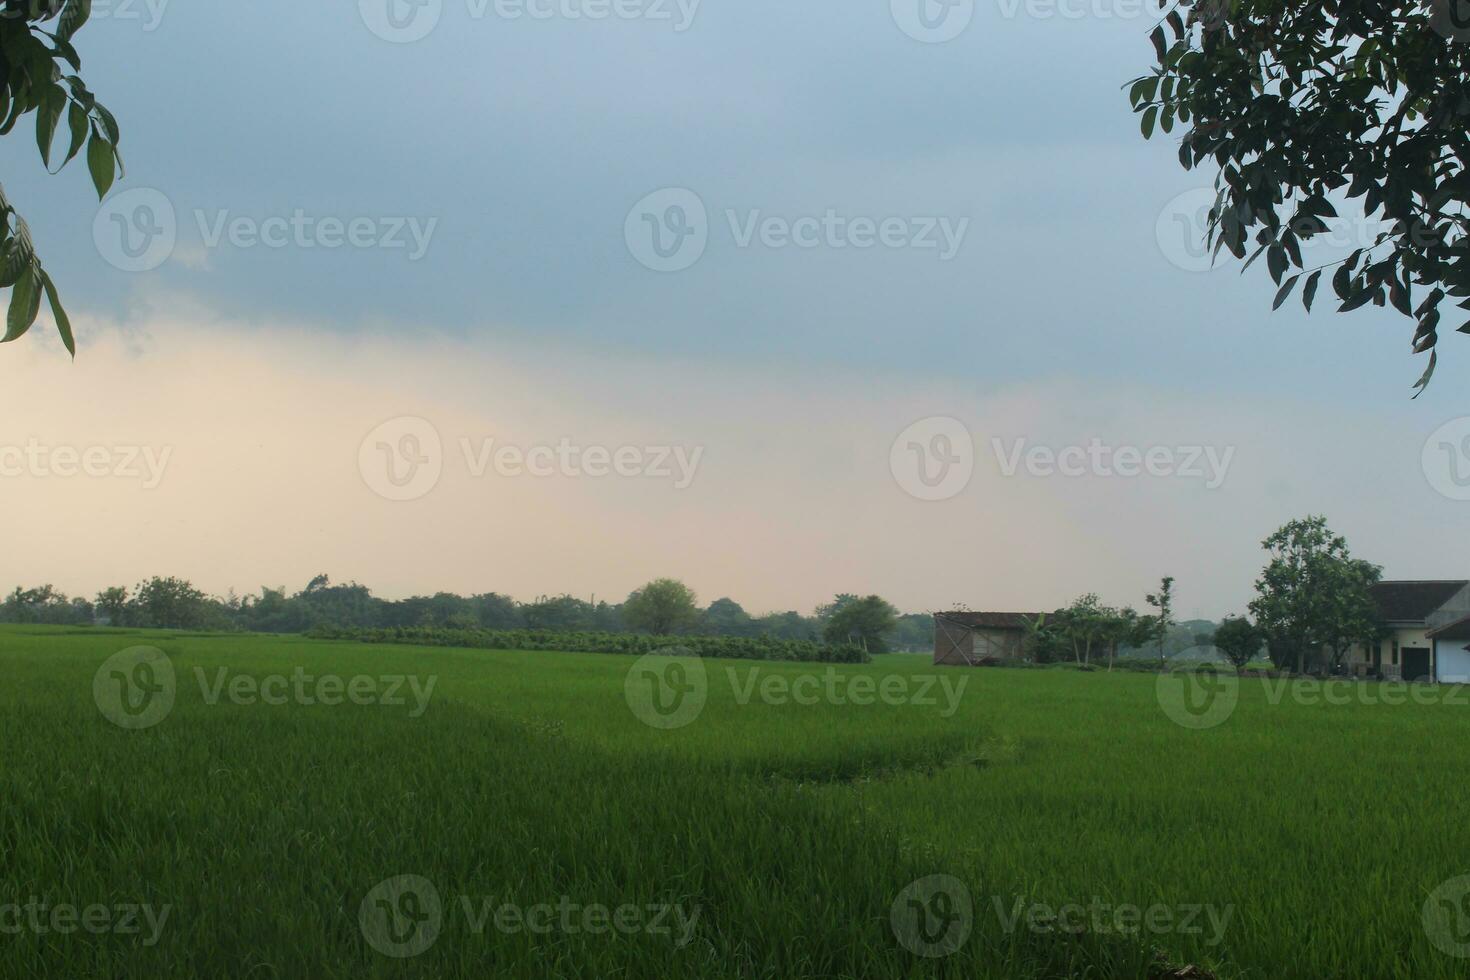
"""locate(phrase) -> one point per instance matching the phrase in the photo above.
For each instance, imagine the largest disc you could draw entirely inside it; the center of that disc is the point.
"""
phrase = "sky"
(784, 300)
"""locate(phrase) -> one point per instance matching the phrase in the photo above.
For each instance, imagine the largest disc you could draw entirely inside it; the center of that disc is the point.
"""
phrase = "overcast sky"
(850, 276)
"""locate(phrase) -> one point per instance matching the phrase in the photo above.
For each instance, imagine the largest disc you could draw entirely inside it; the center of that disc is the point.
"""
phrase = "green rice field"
(270, 807)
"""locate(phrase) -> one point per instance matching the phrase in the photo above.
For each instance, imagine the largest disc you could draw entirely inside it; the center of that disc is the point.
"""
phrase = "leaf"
(1423, 381)
(77, 119)
(1160, 45)
(48, 114)
(1359, 298)
(100, 162)
(1276, 261)
(63, 323)
(1309, 291)
(1284, 292)
(73, 16)
(24, 304)
(1147, 125)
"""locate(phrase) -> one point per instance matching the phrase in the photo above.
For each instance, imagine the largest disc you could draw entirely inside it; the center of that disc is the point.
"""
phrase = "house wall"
(961, 646)
(1361, 658)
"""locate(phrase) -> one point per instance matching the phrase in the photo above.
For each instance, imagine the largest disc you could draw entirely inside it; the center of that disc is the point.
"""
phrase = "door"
(1416, 663)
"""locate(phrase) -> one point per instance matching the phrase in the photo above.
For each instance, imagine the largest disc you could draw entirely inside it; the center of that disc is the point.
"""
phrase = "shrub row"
(734, 647)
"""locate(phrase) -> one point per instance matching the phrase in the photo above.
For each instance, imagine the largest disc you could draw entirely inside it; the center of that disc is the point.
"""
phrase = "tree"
(1312, 595)
(1119, 627)
(1238, 640)
(37, 75)
(661, 607)
(726, 617)
(113, 603)
(1163, 602)
(170, 603)
(1294, 101)
(864, 622)
(1083, 624)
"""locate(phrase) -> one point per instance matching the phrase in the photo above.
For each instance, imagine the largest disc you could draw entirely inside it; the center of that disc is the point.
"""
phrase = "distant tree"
(864, 622)
(661, 607)
(726, 617)
(914, 632)
(1312, 595)
(169, 603)
(1238, 641)
(1084, 624)
(827, 610)
(496, 612)
(790, 625)
(1163, 603)
(1119, 627)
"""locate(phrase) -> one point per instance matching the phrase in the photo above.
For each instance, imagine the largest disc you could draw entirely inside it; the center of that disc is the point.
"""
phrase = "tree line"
(664, 606)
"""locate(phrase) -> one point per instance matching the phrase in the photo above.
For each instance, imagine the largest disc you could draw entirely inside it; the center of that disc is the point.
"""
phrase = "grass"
(778, 833)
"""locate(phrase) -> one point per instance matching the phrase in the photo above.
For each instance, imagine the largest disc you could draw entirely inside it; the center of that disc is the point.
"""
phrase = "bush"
(733, 647)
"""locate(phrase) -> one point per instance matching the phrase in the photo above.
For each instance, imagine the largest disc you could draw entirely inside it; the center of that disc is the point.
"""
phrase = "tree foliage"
(1306, 107)
(38, 67)
(661, 607)
(1313, 596)
(1238, 641)
(863, 622)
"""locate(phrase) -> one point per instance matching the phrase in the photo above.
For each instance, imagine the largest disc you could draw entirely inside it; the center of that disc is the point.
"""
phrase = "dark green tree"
(1302, 108)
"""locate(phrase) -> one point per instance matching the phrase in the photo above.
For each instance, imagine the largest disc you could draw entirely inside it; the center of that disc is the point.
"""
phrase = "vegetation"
(38, 67)
(792, 828)
(1313, 596)
(862, 622)
(1238, 641)
(1300, 105)
(745, 648)
(661, 607)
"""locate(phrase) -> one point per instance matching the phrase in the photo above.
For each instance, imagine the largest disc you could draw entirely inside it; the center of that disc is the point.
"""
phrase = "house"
(969, 638)
(1428, 633)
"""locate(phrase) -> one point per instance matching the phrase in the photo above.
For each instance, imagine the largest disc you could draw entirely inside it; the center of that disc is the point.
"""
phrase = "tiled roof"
(1413, 601)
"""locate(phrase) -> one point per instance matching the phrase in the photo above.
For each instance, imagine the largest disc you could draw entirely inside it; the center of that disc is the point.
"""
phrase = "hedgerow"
(731, 647)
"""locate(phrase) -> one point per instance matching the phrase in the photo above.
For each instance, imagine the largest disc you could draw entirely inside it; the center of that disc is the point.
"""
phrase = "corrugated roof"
(989, 620)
